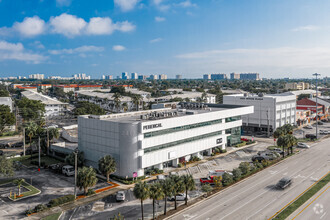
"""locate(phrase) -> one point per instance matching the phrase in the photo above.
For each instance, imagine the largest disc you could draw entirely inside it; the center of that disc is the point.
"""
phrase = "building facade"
(297, 86)
(207, 76)
(219, 76)
(124, 75)
(178, 77)
(249, 76)
(156, 138)
(36, 76)
(134, 76)
(234, 76)
(270, 111)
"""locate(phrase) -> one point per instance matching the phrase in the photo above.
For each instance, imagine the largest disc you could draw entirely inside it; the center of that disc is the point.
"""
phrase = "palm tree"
(287, 141)
(155, 193)
(19, 182)
(204, 97)
(141, 191)
(167, 186)
(188, 184)
(136, 100)
(31, 130)
(178, 187)
(86, 178)
(125, 106)
(116, 99)
(107, 165)
(53, 133)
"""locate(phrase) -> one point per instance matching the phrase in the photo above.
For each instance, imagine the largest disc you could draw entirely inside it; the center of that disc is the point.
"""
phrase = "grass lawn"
(53, 216)
(26, 160)
(302, 199)
(8, 134)
(32, 190)
(6, 181)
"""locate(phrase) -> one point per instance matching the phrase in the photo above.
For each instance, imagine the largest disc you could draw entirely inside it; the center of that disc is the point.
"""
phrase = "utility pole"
(75, 172)
(316, 105)
(268, 131)
(39, 149)
(23, 141)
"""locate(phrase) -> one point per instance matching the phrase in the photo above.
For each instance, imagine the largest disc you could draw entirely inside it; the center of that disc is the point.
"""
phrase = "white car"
(308, 127)
(179, 197)
(324, 132)
(68, 170)
(303, 145)
(120, 196)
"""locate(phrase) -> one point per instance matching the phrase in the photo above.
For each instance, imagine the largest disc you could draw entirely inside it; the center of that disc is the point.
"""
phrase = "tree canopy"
(107, 165)
(30, 109)
(4, 93)
(6, 167)
(7, 118)
(87, 108)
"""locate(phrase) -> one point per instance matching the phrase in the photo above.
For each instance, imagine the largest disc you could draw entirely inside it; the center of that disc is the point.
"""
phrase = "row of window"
(171, 144)
(181, 128)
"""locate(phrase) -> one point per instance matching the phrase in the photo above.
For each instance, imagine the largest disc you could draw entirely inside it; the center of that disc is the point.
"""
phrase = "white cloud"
(284, 59)
(37, 44)
(68, 25)
(156, 40)
(125, 26)
(306, 28)
(30, 26)
(61, 3)
(12, 51)
(160, 5)
(160, 19)
(99, 26)
(126, 5)
(78, 50)
(118, 48)
(186, 4)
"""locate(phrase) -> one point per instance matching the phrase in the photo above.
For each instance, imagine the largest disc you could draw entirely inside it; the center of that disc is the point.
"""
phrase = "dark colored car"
(284, 182)
(28, 152)
(17, 144)
(258, 158)
(311, 136)
(320, 123)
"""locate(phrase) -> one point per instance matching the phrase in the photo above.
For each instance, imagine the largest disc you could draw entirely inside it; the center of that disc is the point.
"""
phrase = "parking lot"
(301, 133)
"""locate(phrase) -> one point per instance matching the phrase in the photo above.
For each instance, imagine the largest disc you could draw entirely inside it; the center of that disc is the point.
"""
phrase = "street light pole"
(75, 172)
(316, 105)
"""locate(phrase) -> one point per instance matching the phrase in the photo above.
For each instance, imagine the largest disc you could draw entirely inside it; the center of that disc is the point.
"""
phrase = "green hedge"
(127, 181)
(60, 200)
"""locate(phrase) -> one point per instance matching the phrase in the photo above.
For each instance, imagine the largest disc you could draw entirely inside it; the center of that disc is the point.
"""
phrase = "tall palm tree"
(107, 165)
(19, 182)
(188, 184)
(141, 191)
(116, 99)
(167, 186)
(178, 187)
(31, 130)
(86, 178)
(136, 100)
(155, 193)
(287, 141)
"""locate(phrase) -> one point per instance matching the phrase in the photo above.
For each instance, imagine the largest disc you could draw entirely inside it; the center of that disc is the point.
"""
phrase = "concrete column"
(159, 166)
(197, 155)
(209, 151)
(175, 162)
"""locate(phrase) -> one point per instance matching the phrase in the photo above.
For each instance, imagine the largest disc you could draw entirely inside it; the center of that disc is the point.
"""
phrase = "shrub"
(60, 200)
(207, 188)
(91, 192)
(39, 208)
(222, 151)
(129, 180)
(237, 174)
(265, 163)
(227, 179)
(179, 165)
(244, 167)
(213, 154)
(216, 150)
(258, 165)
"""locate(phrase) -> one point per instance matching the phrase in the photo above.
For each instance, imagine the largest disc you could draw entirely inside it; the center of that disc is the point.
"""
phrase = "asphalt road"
(318, 207)
(257, 197)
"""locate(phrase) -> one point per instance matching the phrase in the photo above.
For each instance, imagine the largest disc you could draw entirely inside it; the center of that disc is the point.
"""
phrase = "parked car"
(268, 155)
(320, 123)
(302, 145)
(278, 150)
(206, 180)
(68, 170)
(120, 196)
(179, 197)
(28, 152)
(325, 120)
(284, 182)
(325, 132)
(310, 136)
(17, 144)
(308, 127)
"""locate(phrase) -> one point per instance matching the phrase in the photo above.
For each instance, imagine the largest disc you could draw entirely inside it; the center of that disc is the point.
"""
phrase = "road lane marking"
(262, 208)
(323, 215)
(312, 202)
(296, 198)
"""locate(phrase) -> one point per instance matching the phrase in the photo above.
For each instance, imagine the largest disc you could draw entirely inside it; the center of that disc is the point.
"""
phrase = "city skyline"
(186, 37)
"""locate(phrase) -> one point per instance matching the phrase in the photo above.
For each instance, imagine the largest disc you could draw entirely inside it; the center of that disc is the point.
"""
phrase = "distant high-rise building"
(297, 86)
(178, 77)
(162, 76)
(36, 76)
(250, 76)
(142, 77)
(124, 75)
(153, 77)
(106, 77)
(134, 76)
(218, 76)
(81, 76)
(103, 77)
(207, 76)
(234, 76)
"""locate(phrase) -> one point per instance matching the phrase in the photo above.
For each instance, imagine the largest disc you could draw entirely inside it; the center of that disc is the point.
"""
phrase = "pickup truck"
(212, 174)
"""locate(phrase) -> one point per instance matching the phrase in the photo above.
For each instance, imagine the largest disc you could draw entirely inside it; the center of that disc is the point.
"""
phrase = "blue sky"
(277, 38)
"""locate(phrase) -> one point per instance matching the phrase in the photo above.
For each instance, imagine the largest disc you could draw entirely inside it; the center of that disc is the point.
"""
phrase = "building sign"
(250, 98)
(134, 174)
(219, 141)
(147, 127)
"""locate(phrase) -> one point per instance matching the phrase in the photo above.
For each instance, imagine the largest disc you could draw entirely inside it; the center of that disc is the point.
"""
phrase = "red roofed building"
(307, 104)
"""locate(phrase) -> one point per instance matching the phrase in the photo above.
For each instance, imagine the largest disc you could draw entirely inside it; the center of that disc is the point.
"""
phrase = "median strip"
(302, 198)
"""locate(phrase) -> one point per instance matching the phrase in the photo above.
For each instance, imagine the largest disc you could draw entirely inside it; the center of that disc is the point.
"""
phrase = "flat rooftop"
(40, 97)
(164, 113)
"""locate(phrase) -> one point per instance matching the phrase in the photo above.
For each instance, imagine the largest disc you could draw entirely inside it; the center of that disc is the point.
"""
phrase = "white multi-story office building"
(162, 76)
(36, 76)
(271, 111)
(156, 138)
